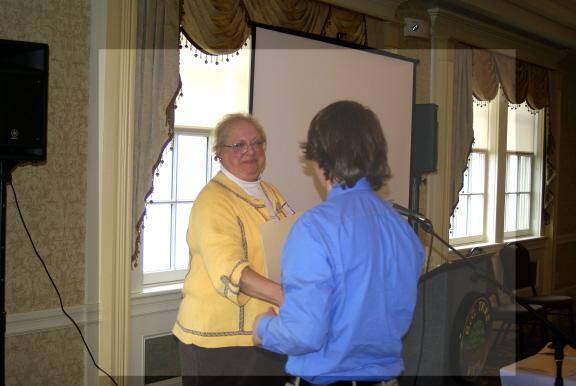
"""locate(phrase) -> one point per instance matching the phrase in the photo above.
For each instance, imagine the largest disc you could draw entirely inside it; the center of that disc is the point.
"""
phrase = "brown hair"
(346, 140)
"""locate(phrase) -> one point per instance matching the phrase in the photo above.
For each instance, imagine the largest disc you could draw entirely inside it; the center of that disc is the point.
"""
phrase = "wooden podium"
(450, 334)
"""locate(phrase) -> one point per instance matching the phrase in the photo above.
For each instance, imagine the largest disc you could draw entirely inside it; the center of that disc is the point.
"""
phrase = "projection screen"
(294, 76)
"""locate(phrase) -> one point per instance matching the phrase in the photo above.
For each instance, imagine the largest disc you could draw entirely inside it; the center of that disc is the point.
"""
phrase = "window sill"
(155, 288)
(491, 247)
(525, 239)
(158, 290)
(156, 300)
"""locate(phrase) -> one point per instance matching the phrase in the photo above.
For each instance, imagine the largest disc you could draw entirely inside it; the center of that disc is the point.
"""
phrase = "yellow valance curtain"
(220, 27)
(521, 81)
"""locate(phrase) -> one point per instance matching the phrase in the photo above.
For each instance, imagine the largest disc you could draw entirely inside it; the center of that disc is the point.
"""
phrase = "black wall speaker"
(424, 138)
(23, 100)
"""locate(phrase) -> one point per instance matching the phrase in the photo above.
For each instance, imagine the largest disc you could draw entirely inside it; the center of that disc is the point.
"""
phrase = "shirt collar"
(338, 189)
(223, 180)
(237, 180)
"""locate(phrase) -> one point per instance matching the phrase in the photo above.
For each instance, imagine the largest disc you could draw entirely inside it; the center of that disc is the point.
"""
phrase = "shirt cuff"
(231, 284)
(262, 326)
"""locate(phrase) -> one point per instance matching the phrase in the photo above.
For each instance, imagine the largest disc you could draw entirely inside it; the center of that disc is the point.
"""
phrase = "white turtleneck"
(253, 188)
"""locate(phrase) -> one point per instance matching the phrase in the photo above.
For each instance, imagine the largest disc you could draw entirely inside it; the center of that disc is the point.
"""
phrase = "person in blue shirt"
(350, 265)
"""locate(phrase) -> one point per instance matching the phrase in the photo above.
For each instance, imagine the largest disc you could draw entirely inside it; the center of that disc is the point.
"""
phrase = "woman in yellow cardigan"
(226, 287)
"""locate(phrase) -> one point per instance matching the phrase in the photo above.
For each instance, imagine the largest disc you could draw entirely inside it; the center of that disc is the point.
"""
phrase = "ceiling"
(549, 21)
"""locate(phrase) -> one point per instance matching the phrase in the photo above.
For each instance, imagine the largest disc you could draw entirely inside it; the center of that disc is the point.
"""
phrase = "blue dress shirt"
(350, 269)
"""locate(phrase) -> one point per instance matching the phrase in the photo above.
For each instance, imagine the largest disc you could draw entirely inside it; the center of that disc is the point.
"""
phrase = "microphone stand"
(561, 338)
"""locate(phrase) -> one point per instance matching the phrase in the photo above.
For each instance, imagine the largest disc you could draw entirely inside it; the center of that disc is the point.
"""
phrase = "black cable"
(56, 288)
(423, 313)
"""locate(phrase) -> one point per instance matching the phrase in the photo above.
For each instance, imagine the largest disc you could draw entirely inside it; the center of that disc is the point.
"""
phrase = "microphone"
(410, 214)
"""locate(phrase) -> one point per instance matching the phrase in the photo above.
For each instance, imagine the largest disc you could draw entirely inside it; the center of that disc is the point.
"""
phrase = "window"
(501, 194)
(468, 219)
(209, 92)
(185, 169)
(518, 193)
(524, 126)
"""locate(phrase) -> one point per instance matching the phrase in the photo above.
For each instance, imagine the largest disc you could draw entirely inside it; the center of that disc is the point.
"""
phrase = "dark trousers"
(231, 366)
(342, 383)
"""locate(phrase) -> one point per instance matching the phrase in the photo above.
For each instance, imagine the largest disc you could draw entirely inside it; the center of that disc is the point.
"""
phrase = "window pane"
(480, 124)
(525, 174)
(192, 152)
(156, 238)
(476, 173)
(163, 177)
(209, 91)
(510, 214)
(465, 182)
(458, 221)
(476, 215)
(511, 173)
(468, 217)
(517, 212)
(517, 207)
(181, 248)
(522, 123)
(523, 211)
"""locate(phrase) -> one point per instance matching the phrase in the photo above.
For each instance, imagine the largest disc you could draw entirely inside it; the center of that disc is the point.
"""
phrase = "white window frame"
(174, 276)
(527, 231)
(537, 182)
(495, 179)
(166, 281)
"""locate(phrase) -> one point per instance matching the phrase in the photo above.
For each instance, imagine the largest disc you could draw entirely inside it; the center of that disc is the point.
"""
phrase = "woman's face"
(247, 164)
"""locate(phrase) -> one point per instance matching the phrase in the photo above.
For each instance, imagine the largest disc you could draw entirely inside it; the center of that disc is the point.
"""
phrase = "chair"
(509, 313)
(514, 314)
(519, 272)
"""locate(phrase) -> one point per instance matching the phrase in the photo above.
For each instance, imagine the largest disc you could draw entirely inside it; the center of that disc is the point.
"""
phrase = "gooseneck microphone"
(411, 214)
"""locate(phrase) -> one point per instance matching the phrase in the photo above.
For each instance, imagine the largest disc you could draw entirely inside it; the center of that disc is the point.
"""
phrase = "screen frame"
(411, 199)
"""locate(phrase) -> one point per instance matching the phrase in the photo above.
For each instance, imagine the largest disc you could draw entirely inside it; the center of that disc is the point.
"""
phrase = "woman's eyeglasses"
(242, 147)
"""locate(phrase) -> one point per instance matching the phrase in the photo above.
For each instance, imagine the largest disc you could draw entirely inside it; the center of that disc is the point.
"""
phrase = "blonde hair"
(227, 123)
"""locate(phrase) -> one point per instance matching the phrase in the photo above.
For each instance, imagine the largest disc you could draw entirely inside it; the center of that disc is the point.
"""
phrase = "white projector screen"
(295, 76)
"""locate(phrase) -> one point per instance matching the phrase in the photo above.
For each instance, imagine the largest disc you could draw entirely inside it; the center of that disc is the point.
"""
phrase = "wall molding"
(51, 319)
(152, 314)
(146, 304)
(142, 305)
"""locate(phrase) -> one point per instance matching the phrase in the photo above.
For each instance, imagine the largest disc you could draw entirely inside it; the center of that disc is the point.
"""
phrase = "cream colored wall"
(565, 143)
(51, 195)
(46, 358)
